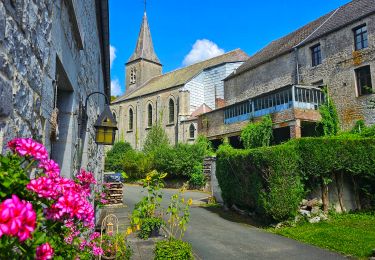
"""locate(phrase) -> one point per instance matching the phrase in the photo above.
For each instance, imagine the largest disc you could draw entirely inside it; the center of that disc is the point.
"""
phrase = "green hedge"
(273, 180)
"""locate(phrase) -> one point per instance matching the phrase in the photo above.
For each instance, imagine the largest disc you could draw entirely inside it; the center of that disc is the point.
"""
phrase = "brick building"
(284, 78)
(53, 54)
(174, 99)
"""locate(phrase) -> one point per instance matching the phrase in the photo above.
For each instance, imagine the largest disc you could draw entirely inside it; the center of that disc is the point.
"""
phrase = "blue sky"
(186, 31)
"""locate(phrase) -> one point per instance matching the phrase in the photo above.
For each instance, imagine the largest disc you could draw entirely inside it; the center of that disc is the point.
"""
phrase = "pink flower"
(94, 235)
(82, 245)
(44, 251)
(17, 218)
(86, 177)
(51, 168)
(104, 201)
(28, 147)
(97, 250)
(44, 187)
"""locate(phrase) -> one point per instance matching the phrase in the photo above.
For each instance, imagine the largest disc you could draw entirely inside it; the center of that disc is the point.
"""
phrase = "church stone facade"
(336, 50)
(53, 54)
(174, 99)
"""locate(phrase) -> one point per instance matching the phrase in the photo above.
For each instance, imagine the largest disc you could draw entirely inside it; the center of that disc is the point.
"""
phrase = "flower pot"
(108, 257)
(155, 232)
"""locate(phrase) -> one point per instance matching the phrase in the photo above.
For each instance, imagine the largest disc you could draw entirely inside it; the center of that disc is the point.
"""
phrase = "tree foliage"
(257, 134)
(156, 138)
(330, 119)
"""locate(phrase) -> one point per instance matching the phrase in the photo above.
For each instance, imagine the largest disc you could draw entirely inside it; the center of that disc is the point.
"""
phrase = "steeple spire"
(144, 49)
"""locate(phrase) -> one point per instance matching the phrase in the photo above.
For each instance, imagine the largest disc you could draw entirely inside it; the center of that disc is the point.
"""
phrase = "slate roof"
(330, 22)
(144, 48)
(181, 76)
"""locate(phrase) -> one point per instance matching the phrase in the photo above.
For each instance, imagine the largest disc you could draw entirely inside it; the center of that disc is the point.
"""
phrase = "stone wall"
(212, 124)
(339, 60)
(43, 41)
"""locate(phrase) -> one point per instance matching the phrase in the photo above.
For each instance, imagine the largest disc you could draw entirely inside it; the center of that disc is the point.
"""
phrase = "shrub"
(150, 225)
(330, 119)
(257, 134)
(173, 249)
(197, 178)
(115, 156)
(136, 164)
(179, 161)
(270, 180)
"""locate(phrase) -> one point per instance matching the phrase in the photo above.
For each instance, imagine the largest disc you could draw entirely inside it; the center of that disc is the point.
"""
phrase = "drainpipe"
(297, 77)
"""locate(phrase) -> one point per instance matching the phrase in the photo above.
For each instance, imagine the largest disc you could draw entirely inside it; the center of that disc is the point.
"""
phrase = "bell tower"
(143, 64)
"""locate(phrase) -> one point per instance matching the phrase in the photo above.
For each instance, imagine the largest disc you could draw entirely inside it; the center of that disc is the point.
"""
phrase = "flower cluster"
(28, 147)
(44, 252)
(17, 218)
(65, 200)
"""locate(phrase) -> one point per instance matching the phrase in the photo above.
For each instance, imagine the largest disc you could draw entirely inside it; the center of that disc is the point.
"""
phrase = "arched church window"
(171, 111)
(133, 75)
(149, 118)
(192, 131)
(130, 119)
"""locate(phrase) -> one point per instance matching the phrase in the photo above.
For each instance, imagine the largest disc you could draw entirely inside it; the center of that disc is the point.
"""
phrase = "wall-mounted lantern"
(105, 125)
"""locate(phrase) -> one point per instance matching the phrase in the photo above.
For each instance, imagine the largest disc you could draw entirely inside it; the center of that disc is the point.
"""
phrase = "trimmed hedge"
(273, 180)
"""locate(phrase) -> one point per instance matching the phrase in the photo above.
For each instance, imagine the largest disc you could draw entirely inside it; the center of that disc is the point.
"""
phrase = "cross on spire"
(145, 5)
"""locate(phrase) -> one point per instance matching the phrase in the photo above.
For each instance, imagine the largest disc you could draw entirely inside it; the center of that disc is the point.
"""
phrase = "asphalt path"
(214, 237)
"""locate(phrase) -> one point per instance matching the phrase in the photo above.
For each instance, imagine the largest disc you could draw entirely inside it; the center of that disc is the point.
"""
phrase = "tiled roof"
(200, 110)
(332, 21)
(181, 76)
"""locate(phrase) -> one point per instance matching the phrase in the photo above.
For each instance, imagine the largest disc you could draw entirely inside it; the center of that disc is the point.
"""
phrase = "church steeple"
(145, 48)
(143, 63)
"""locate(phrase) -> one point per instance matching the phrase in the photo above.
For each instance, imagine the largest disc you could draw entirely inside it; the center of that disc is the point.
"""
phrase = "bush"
(270, 180)
(179, 161)
(150, 225)
(330, 119)
(114, 158)
(136, 164)
(257, 134)
(173, 249)
(197, 178)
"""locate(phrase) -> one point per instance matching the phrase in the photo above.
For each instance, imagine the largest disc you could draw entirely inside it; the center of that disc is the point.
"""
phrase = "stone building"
(53, 54)
(284, 78)
(174, 99)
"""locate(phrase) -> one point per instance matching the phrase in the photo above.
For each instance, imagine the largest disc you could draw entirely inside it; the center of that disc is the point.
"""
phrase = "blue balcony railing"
(304, 97)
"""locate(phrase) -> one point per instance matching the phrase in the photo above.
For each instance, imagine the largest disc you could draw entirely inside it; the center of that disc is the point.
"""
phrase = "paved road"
(214, 237)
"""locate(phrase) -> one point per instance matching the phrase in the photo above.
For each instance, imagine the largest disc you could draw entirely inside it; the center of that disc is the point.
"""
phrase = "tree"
(156, 138)
(257, 134)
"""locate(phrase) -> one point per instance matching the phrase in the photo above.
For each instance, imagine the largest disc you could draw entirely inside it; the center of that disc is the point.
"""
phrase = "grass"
(351, 234)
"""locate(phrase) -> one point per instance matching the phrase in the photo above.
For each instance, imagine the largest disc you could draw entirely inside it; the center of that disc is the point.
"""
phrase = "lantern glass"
(104, 135)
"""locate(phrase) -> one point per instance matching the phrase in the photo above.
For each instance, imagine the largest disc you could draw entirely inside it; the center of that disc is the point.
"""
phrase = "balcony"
(297, 96)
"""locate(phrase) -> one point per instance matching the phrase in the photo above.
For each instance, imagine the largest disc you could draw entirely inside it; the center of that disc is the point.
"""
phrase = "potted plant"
(150, 227)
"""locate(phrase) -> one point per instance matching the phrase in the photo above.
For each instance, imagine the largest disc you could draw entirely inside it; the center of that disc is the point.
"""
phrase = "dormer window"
(133, 75)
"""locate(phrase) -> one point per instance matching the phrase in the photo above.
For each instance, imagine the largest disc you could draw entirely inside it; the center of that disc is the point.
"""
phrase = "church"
(174, 99)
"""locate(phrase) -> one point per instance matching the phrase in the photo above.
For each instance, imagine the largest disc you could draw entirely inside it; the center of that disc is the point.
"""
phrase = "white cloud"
(202, 50)
(116, 89)
(112, 54)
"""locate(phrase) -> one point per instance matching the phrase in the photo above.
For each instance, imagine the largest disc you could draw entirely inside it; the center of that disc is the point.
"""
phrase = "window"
(149, 118)
(192, 131)
(316, 55)
(133, 75)
(171, 111)
(363, 76)
(360, 37)
(130, 119)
